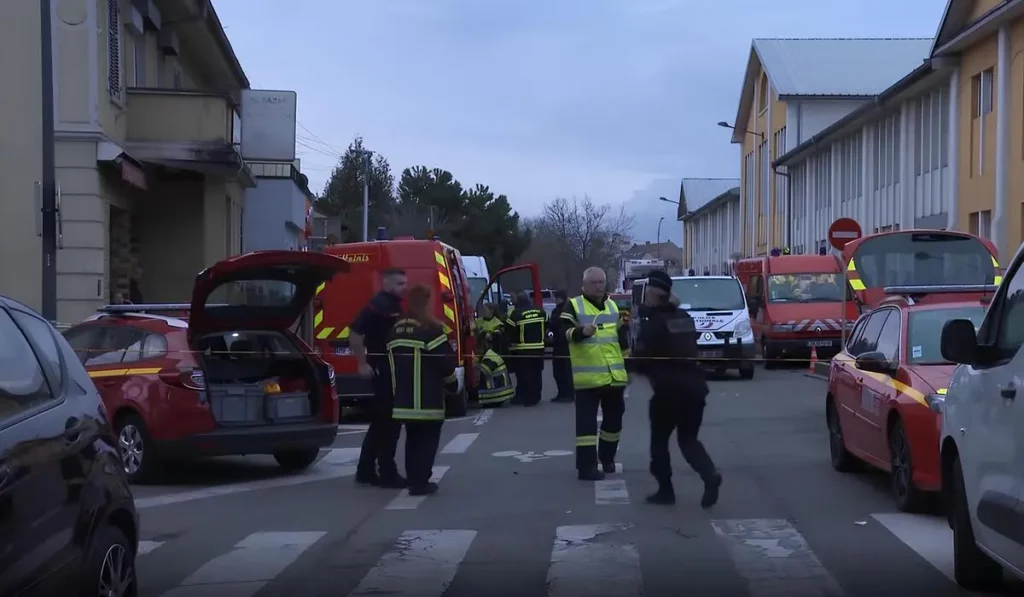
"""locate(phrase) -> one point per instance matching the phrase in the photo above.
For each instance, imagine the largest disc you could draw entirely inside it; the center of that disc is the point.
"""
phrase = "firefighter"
(368, 339)
(598, 374)
(665, 353)
(423, 375)
(525, 330)
(560, 366)
(495, 386)
(487, 322)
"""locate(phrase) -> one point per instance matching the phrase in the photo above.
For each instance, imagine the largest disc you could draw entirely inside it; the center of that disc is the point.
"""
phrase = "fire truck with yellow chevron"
(425, 261)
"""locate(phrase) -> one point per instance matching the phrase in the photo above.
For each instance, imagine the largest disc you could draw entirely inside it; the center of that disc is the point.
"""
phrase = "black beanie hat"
(660, 280)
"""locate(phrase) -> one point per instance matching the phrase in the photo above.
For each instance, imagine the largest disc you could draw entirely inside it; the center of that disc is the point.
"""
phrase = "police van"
(718, 306)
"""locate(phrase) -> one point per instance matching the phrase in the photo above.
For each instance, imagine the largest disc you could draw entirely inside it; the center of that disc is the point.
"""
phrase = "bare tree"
(574, 234)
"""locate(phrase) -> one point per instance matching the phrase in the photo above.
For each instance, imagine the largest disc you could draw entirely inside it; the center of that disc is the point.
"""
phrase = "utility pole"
(49, 183)
(366, 195)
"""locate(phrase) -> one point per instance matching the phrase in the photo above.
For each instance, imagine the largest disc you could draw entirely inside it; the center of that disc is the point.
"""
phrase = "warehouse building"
(710, 211)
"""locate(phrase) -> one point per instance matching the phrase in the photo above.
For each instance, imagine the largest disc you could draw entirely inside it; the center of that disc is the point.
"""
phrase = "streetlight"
(659, 235)
(726, 125)
(666, 200)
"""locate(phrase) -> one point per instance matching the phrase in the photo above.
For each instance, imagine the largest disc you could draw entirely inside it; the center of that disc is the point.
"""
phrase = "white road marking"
(611, 492)
(312, 476)
(351, 429)
(583, 564)
(484, 416)
(254, 562)
(404, 501)
(929, 536)
(774, 558)
(148, 546)
(422, 564)
(555, 453)
(460, 443)
(340, 456)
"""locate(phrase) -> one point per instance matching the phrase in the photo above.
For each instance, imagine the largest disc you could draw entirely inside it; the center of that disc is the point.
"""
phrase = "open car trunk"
(257, 378)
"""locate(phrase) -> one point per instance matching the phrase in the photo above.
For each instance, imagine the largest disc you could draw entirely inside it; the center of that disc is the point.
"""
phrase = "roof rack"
(940, 289)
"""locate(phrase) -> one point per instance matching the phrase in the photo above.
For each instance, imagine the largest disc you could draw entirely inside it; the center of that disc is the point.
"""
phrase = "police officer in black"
(368, 340)
(560, 365)
(526, 334)
(665, 352)
(424, 374)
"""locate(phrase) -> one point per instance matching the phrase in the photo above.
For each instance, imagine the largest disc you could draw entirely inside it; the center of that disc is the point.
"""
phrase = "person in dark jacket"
(666, 352)
(526, 335)
(368, 340)
(560, 365)
(423, 376)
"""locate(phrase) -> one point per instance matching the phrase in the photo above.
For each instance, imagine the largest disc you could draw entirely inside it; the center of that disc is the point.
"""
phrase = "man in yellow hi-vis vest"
(598, 373)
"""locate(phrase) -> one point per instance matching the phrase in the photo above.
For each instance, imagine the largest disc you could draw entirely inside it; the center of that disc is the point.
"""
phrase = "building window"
(980, 223)
(981, 85)
(762, 94)
(114, 84)
(932, 128)
(139, 58)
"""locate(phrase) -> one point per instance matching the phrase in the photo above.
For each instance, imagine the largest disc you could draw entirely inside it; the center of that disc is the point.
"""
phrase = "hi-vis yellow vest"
(597, 361)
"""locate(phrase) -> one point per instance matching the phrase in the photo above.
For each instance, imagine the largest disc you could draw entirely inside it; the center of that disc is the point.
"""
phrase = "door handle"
(1009, 392)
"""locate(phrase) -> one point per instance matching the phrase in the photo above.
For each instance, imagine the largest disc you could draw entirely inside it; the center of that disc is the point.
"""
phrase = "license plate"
(710, 354)
(820, 343)
(342, 351)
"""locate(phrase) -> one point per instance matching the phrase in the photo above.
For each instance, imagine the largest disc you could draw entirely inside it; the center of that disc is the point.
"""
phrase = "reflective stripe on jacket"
(495, 383)
(596, 361)
(527, 329)
(422, 370)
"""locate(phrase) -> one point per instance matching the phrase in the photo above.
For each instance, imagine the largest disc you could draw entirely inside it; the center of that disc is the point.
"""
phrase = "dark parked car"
(68, 524)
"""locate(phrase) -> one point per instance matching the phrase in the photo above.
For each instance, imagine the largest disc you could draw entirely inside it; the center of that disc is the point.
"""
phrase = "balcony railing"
(176, 116)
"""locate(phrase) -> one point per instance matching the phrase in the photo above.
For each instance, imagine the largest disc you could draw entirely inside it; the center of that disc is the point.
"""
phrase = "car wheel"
(747, 370)
(456, 406)
(842, 460)
(908, 497)
(972, 568)
(110, 566)
(139, 458)
(767, 356)
(296, 460)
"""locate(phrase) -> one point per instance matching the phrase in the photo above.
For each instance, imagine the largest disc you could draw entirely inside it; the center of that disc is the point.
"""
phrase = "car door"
(863, 385)
(843, 379)
(105, 353)
(41, 454)
(877, 389)
(992, 445)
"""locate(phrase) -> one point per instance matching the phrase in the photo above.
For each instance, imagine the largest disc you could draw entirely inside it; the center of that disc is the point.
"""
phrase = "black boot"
(665, 496)
(710, 497)
(428, 489)
(591, 475)
(367, 479)
(392, 481)
(608, 467)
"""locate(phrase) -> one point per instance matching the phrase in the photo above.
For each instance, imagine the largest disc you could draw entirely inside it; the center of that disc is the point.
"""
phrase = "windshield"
(924, 332)
(477, 286)
(923, 259)
(805, 288)
(709, 294)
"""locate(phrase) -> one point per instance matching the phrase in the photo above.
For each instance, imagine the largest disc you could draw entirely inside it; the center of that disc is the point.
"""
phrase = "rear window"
(924, 332)
(923, 259)
(246, 344)
(709, 294)
(805, 288)
(253, 293)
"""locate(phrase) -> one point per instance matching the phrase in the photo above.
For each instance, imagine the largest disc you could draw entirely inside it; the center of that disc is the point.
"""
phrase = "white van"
(478, 276)
(718, 306)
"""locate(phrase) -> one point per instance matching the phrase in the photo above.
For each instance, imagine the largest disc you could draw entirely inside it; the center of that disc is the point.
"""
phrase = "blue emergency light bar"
(150, 308)
(940, 289)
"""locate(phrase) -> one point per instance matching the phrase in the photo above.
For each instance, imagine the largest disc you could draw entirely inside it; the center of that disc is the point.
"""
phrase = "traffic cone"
(814, 360)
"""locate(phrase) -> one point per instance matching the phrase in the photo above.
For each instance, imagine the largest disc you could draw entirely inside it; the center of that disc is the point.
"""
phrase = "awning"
(195, 157)
(130, 168)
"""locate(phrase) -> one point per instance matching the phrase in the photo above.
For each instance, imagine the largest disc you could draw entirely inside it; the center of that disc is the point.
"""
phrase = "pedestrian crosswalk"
(764, 557)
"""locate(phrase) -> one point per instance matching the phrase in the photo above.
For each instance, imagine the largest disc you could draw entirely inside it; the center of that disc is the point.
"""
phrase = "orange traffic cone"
(814, 360)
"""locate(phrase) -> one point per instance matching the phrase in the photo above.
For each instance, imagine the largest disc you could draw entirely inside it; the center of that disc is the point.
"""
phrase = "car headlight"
(742, 328)
(935, 402)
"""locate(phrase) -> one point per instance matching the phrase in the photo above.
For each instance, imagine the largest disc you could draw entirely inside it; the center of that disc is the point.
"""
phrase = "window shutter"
(114, 49)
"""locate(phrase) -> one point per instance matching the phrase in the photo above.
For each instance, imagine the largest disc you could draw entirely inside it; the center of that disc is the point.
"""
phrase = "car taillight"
(191, 379)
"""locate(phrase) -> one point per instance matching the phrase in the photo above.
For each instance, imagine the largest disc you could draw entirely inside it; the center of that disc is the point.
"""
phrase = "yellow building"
(983, 40)
(147, 128)
(792, 90)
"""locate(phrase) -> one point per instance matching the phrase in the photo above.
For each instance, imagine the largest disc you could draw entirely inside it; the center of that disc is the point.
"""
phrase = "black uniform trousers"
(529, 371)
(421, 441)
(562, 369)
(684, 415)
(593, 445)
(377, 456)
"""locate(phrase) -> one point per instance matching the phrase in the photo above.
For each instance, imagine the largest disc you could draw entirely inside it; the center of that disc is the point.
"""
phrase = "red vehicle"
(796, 302)
(879, 406)
(224, 375)
(430, 262)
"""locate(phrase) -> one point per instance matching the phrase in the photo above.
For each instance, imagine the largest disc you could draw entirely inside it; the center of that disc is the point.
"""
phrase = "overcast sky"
(615, 99)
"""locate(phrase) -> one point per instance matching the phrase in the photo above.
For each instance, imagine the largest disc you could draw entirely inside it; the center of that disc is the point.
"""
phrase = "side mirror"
(874, 361)
(959, 342)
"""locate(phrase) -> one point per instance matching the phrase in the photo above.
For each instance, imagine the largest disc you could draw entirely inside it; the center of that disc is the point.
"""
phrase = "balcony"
(181, 117)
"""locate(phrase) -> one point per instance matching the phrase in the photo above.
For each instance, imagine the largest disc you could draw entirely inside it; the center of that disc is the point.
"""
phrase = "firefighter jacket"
(526, 329)
(596, 361)
(495, 384)
(422, 370)
(489, 326)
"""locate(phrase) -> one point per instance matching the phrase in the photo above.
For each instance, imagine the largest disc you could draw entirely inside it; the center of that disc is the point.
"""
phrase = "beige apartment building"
(147, 133)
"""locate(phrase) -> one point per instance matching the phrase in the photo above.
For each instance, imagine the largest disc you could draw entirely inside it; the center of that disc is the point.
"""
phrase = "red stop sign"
(842, 231)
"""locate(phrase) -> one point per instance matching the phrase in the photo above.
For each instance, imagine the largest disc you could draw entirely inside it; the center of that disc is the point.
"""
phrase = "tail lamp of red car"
(190, 379)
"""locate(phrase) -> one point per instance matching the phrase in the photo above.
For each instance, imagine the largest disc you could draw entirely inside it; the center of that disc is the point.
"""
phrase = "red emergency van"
(796, 302)
(430, 262)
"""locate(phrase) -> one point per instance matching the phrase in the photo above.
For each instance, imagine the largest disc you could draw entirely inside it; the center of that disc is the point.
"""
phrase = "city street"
(512, 519)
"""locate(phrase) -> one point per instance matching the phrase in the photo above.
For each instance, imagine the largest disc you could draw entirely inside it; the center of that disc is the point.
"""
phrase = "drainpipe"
(953, 196)
(1002, 174)
(788, 233)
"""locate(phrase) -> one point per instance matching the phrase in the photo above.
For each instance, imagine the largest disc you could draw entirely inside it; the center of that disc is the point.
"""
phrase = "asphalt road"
(512, 519)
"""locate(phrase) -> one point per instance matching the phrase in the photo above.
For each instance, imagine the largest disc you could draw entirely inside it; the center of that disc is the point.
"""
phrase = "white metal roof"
(839, 67)
(697, 192)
